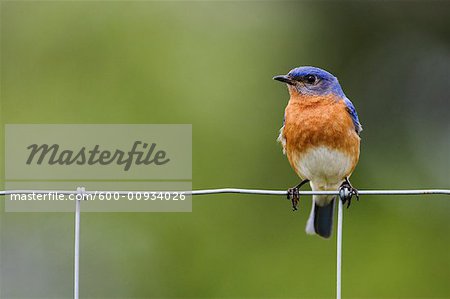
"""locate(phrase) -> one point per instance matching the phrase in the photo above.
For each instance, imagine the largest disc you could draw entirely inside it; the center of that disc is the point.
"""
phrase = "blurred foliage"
(210, 64)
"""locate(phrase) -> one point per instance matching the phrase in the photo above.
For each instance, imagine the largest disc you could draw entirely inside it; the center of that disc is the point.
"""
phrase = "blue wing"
(352, 111)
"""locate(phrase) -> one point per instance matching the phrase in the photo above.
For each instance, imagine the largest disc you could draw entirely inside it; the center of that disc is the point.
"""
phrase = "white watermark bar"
(139, 158)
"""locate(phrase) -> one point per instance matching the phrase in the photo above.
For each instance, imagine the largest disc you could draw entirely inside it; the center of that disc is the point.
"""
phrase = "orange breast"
(319, 121)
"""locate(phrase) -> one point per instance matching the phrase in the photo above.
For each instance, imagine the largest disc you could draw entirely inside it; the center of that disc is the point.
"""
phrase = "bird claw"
(346, 192)
(293, 194)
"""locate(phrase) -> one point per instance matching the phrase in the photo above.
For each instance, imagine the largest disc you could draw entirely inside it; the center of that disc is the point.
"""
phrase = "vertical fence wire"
(339, 251)
(76, 259)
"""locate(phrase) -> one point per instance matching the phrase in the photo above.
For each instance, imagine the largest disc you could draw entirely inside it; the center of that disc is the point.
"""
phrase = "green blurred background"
(210, 64)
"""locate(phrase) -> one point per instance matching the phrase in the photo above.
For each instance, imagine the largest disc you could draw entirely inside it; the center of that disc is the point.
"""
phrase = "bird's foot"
(293, 194)
(346, 192)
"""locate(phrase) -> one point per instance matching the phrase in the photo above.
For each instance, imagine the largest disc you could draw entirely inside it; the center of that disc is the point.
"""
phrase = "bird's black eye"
(311, 79)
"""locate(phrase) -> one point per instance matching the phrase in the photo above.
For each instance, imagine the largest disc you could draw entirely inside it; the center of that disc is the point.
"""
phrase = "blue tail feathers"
(323, 219)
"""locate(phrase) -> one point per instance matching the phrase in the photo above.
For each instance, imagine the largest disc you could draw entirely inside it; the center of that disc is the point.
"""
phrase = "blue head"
(311, 81)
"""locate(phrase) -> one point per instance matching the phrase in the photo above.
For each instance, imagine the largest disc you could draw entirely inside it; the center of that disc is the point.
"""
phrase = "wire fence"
(83, 192)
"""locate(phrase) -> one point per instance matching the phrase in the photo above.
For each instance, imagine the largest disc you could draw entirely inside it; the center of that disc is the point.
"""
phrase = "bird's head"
(308, 80)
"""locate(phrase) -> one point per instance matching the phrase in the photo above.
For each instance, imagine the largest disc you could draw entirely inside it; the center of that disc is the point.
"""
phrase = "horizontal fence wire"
(237, 191)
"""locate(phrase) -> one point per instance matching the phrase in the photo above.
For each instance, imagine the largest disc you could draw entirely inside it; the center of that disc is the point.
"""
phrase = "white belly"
(326, 168)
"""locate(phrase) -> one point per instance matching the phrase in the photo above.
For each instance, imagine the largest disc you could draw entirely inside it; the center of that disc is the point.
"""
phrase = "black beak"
(285, 79)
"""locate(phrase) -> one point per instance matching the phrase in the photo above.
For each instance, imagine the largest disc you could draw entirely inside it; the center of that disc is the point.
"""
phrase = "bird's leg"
(293, 194)
(346, 192)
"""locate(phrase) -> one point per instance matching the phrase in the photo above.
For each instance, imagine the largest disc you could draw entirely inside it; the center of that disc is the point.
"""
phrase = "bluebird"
(320, 137)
